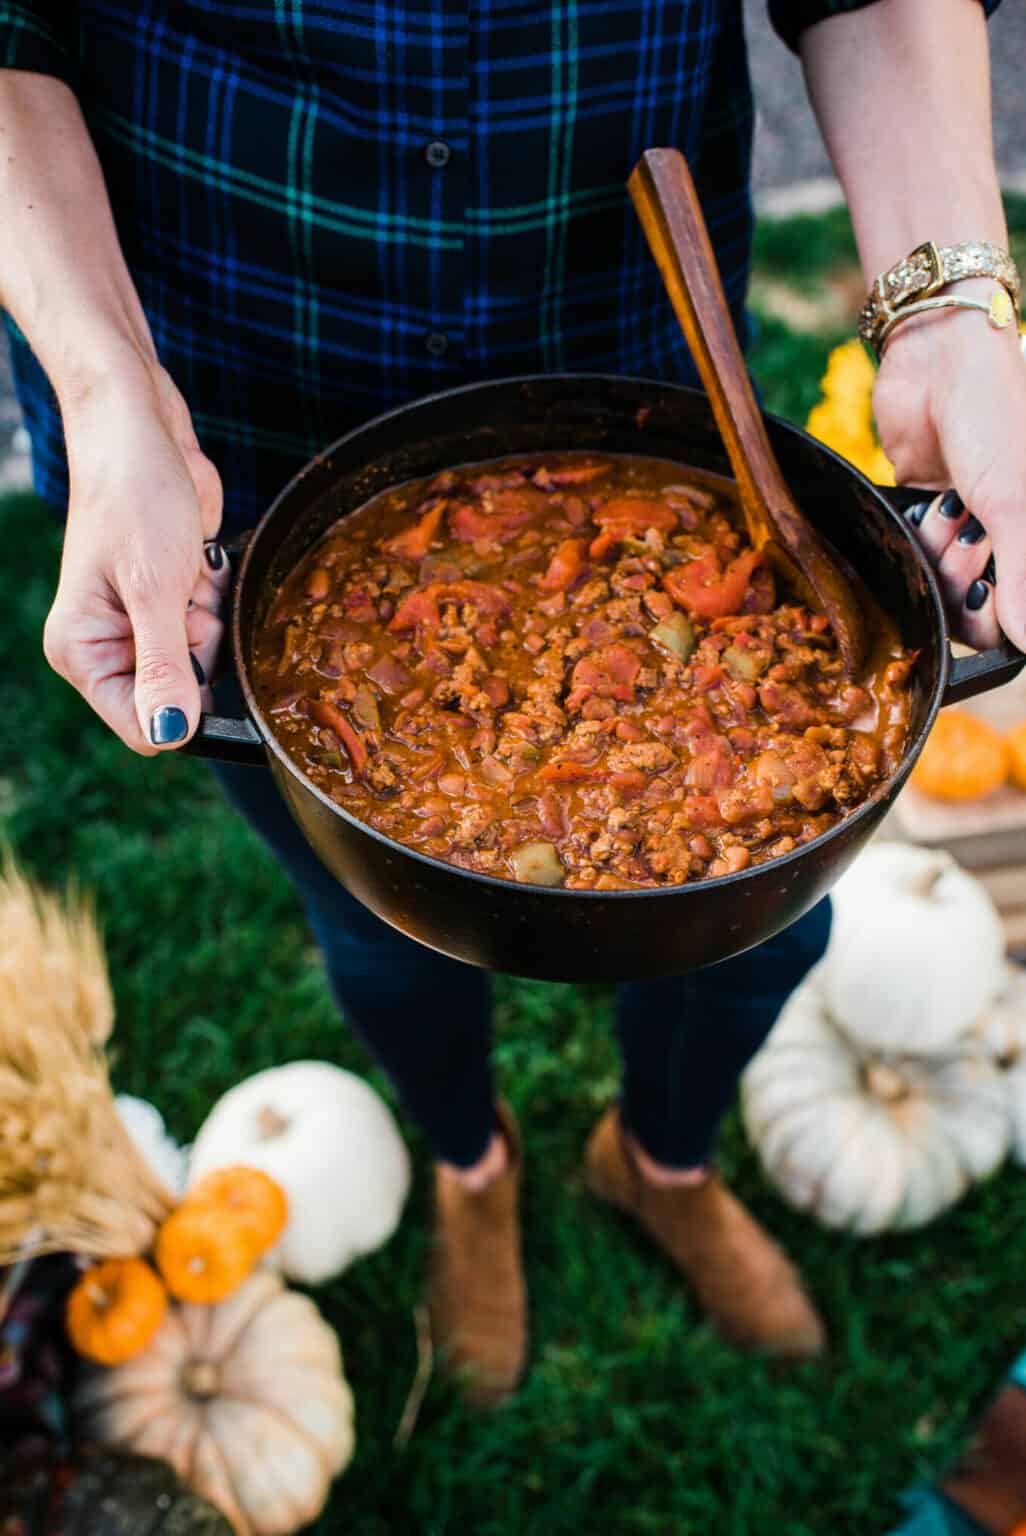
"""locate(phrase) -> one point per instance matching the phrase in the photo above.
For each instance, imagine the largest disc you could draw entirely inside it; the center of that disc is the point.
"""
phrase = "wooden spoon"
(667, 204)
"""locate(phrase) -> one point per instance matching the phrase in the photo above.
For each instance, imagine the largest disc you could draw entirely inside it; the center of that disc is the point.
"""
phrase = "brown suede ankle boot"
(477, 1295)
(741, 1278)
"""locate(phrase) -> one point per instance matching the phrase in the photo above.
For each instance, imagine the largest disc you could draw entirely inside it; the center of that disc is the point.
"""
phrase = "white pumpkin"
(1002, 1031)
(145, 1124)
(245, 1399)
(332, 1145)
(1001, 1028)
(917, 951)
(866, 1142)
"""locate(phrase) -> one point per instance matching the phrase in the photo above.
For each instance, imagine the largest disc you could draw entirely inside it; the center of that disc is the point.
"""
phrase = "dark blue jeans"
(427, 1020)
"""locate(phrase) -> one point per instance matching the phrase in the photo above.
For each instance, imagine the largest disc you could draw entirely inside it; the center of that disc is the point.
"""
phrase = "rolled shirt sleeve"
(40, 36)
(791, 17)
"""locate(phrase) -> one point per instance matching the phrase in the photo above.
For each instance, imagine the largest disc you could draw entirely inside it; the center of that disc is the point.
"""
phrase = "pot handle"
(983, 670)
(226, 738)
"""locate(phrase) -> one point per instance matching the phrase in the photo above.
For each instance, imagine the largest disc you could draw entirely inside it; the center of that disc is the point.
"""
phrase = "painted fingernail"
(916, 514)
(214, 554)
(168, 724)
(197, 671)
(973, 532)
(976, 596)
(951, 505)
(989, 571)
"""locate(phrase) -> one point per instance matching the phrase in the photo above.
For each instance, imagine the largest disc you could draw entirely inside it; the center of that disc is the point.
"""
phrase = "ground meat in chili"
(572, 670)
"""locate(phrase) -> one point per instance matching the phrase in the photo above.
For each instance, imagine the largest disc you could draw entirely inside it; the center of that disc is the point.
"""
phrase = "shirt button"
(436, 343)
(437, 154)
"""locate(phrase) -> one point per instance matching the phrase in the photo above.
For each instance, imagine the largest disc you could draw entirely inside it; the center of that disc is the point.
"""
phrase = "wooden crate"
(986, 836)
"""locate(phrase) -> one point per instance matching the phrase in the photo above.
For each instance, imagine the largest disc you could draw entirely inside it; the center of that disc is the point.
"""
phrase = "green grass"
(634, 1418)
(804, 245)
(633, 1408)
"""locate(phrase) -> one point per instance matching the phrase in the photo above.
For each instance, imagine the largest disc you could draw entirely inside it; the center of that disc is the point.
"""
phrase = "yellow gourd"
(114, 1310)
(964, 758)
(202, 1254)
(1016, 739)
(255, 1203)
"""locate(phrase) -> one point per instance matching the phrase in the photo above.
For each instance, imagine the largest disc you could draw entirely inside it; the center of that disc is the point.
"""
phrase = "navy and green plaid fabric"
(330, 208)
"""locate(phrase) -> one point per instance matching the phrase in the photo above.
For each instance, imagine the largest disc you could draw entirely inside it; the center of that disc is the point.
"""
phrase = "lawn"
(635, 1418)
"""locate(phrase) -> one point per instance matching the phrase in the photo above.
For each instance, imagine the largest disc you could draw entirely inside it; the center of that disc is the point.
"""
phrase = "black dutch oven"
(586, 935)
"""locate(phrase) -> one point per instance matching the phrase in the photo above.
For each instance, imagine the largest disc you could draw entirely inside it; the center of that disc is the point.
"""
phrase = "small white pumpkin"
(145, 1124)
(866, 1142)
(917, 950)
(246, 1400)
(333, 1146)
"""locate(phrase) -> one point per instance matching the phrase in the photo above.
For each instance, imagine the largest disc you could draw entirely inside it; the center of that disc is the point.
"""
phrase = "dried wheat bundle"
(52, 949)
(70, 1176)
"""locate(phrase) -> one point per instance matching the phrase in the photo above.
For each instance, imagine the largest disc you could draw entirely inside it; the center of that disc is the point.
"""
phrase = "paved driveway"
(788, 147)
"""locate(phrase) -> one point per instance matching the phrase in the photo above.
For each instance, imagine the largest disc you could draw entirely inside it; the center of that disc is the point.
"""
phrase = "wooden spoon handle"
(667, 204)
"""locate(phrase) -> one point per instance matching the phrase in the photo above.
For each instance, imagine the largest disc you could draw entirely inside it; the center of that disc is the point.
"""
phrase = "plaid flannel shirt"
(329, 209)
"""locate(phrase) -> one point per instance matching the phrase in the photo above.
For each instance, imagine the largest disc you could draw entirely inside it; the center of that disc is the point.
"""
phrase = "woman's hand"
(142, 575)
(950, 404)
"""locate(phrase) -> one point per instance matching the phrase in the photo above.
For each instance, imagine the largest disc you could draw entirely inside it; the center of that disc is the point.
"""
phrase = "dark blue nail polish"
(951, 505)
(989, 571)
(976, 596)
(197, 671)
(973, 532)
(168, 725)
(214, 554)
(916, 514)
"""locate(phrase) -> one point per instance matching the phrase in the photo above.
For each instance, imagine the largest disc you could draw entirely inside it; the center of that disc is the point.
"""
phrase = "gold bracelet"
(924, 272)
(999, 313)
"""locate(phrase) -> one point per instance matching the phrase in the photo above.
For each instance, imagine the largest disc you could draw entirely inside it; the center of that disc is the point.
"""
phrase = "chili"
(572, 670)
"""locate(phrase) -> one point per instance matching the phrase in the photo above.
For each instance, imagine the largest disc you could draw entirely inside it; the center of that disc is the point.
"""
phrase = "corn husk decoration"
(71, 1178)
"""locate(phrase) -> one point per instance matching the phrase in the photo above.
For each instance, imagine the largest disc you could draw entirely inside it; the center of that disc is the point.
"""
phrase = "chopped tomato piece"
(608, 674)
(709, 591)
(485, 597)
(635, 514)
(565, 566)
(569, 474)
(418, 608)
(567, 772)
(627, 516)
(413, 543)
(503, 514)
(331, 717)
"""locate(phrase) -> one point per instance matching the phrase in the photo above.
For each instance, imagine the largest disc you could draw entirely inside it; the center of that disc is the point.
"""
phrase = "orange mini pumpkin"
(964, 758)
(202, 1254)
(115, 1310)
(254, 1201)
(1016, 739)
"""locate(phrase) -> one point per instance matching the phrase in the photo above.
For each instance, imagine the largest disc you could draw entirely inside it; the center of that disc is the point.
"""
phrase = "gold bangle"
(925, 272)
(999, 313)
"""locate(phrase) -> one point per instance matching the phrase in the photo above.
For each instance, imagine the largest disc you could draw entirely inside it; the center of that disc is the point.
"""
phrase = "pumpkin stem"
(925, 887)
(202, 1379)
(885, 1082)
(270, 1124)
